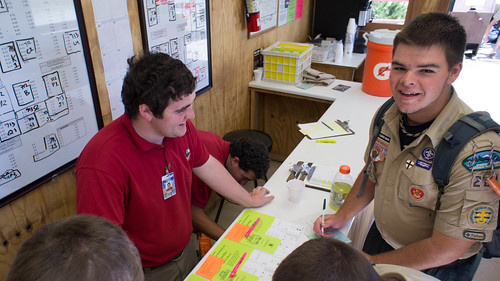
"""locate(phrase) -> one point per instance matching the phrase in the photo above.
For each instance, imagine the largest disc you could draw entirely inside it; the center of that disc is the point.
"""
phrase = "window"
(389, 12)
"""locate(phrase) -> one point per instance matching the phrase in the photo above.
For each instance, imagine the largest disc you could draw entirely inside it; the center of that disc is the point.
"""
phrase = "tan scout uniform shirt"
(406, 193)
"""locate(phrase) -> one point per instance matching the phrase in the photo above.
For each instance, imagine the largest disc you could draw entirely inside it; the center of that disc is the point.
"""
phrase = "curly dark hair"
(435, 29)
(153, 79)
(253, 155)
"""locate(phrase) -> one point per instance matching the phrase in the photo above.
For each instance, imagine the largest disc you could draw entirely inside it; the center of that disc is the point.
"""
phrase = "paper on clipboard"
(325, 129)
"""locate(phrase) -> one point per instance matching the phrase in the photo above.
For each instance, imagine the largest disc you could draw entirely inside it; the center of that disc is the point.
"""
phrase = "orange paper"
(237, 232)
(210, 267)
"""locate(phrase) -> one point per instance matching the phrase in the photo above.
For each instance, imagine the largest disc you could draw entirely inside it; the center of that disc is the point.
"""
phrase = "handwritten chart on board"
(180, 29)
(47, 113)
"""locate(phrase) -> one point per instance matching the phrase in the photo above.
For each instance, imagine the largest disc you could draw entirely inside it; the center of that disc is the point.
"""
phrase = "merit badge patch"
(428, 153)
(474, 235)
(417, 192)
(481, 216)
(379, 149)
(482, 161)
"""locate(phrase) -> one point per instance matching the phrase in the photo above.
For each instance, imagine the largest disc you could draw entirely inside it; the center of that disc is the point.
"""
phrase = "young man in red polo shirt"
(124, 172)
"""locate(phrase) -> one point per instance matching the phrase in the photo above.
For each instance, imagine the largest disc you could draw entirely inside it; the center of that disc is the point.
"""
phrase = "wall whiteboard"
(181, 30)
(48, 112)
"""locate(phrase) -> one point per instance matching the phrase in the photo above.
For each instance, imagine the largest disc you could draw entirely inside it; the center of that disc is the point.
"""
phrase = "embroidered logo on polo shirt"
(188, 154)
(428, 153)
(417, 192)
(482, 160)
(474, 235)
(481, 216)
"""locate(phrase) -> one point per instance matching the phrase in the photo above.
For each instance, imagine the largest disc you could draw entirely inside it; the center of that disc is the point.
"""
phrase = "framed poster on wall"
(181, 30)
(48, 99)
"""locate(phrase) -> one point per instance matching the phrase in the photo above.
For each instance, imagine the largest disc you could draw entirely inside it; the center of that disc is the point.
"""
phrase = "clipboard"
(325, 129)
(301, 172)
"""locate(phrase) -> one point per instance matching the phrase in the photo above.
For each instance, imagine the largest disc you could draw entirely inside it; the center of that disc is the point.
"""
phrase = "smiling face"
(175, 116)
(421, 80)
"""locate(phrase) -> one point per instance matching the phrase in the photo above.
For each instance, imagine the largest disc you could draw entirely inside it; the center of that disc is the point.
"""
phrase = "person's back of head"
(431, 29)
(253, 155)
(154, 79)
(77, 248)
(325, 259)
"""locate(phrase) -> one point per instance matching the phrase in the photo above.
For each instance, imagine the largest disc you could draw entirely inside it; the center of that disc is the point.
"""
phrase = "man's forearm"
(203, 224)
(219, 179)
(437, 250)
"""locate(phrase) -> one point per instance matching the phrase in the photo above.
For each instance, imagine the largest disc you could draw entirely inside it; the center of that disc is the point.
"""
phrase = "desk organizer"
(285, 61)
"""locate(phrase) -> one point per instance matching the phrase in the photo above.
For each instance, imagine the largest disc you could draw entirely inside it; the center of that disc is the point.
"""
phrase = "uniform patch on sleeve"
(474, 235)
(481, 216)
(482, 160)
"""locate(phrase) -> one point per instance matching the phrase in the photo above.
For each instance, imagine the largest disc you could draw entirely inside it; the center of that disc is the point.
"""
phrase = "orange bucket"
(378, 63)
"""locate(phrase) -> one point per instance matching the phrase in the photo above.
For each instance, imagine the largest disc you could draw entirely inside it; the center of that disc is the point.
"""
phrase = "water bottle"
(342, 184)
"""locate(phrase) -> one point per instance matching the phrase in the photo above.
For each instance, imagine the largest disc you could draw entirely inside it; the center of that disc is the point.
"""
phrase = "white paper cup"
(257, 74)
(295, 188)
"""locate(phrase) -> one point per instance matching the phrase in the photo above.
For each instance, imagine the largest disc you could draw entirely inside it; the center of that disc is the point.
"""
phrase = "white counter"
(353, 61)
(352, 105)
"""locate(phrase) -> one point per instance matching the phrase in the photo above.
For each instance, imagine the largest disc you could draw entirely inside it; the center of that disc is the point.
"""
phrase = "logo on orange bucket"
(382, 70)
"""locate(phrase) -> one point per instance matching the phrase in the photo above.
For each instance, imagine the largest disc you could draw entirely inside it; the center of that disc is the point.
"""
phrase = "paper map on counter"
(325, 129)
(269, 242)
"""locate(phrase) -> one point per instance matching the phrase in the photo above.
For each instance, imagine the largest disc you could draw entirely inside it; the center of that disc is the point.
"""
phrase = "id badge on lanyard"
(168, 184)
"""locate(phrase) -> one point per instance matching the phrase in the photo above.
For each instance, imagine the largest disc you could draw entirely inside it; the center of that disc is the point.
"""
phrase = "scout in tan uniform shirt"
(427, 59)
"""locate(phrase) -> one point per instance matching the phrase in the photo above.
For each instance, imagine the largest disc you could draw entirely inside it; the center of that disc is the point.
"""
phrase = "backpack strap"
(378, 122)
(454, 140)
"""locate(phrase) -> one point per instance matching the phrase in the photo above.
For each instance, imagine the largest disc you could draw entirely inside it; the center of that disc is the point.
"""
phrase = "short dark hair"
(153, 79)
(325, 259)
(253, 155)
(439, 29)
(80, 248)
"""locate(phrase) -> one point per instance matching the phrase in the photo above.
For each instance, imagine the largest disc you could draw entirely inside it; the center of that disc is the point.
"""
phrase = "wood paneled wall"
(223, 108)
(226, 106)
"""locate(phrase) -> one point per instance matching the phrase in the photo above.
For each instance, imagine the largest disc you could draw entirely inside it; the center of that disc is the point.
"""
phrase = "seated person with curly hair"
(246, 159)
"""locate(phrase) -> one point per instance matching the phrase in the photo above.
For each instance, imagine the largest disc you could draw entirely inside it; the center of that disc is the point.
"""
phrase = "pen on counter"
(323, 217)
(252, 227)
(326, 141)
(235, 269)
